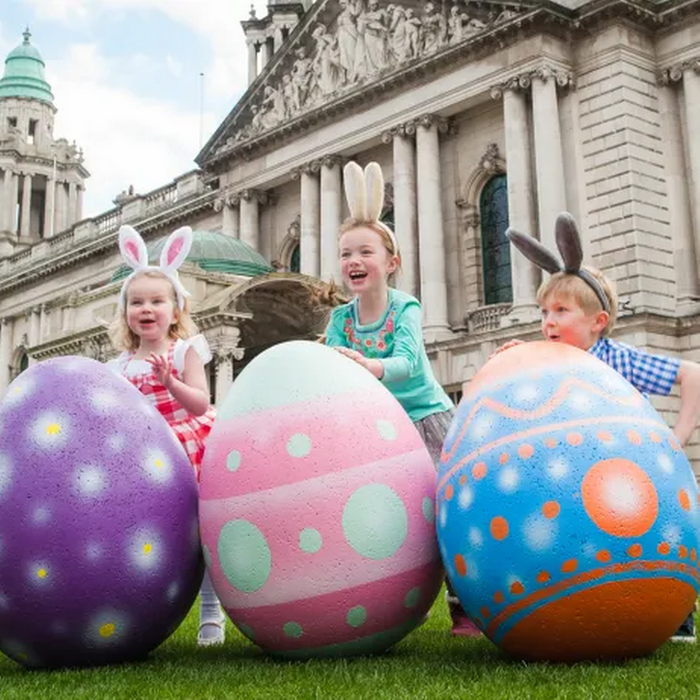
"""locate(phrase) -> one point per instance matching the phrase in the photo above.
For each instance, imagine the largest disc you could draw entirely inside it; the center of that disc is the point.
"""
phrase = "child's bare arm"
(688, 378)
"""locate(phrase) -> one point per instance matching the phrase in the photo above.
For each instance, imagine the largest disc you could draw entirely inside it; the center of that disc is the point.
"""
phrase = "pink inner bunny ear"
(174, 249)
(132, 250)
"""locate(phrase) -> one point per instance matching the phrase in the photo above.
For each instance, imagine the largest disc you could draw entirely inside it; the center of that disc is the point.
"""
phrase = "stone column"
(59, 221)
(79, 204)
(252, 61)
(310, 220)
(405, 211)
(691, 101)
(520, 195)
(225, 352)
(279, 38)
(680, 219)
(72, 204)
(12, 195)
(26, 211)
(228, 204)
(431, 234)
(34, 326)
(5, 354)
(331, 207)
(49, 207)
(44, 322)
(549, 160)
(266, 54)
(250, 218)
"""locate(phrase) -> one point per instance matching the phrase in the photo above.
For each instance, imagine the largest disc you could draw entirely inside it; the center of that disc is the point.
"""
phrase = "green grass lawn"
(429, 663)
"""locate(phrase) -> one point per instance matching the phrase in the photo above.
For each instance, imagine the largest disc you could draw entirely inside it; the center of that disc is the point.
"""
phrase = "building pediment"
(344, 48)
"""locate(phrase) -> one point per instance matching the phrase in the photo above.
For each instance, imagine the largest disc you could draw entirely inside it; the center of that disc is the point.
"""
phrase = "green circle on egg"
(293, 629)
(428, 508)
(310, 540)
(244, 555)
(375, 522)
(233, 460)
(357, 616)
(411, 599)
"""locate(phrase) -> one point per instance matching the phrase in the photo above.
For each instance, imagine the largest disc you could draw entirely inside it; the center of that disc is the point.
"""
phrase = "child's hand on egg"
(505, 346)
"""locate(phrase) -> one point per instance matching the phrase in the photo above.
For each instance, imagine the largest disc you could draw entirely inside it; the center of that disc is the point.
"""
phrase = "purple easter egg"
(99, 549)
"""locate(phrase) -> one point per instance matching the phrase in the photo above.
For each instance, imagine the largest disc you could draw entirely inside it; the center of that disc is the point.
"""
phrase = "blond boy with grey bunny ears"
(380, 328)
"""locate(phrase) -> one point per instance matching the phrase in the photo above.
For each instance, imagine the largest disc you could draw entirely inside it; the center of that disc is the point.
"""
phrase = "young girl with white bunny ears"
(164, 357)
(381, 328)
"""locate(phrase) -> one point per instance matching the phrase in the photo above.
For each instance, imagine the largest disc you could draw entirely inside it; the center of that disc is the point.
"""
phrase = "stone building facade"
(482, 114)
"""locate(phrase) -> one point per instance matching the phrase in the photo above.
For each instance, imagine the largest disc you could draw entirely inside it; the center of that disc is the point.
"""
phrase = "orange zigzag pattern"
(539, 430)
(554, 401)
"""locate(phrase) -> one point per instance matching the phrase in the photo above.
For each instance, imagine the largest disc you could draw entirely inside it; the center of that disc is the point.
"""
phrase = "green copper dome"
(24, 74)
(213, 252)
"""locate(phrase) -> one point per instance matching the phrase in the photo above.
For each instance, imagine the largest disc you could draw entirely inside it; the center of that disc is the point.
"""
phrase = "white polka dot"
(481, 426)
(526, 393)
(442, 518)
(107, 628)
(590, 550)
(172, 592)
(89, 480)
(539, 533)
(39, 574)
(387, 430)
(5, 473)
(116, 442)
(622, 496)
(145, 550)
(580, 402)
(157, 466)
(19, 391)
(473, 573)
(50, 430)
(93, 551)
(508, 479)
(465, 497)
(476, 539)
(665, 462)
(673, 535)
(557, 468)
(105, 401)
(41, 515)
(299, 445)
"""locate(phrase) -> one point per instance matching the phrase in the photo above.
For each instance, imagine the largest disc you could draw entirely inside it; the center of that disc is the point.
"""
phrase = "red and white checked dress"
(191, 430)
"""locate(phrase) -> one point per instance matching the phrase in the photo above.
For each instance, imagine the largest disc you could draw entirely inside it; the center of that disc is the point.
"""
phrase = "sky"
(125, 75)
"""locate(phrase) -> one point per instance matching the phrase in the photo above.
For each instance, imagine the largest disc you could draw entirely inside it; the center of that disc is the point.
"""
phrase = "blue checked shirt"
(649, 374)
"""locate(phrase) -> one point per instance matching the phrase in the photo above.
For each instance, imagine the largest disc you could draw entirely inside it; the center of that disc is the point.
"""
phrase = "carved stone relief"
(370, 38)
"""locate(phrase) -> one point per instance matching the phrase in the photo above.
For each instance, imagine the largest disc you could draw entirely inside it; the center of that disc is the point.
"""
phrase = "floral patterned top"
(397, 340)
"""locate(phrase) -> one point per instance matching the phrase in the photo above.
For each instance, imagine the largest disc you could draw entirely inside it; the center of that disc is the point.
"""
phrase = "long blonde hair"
(123, 338)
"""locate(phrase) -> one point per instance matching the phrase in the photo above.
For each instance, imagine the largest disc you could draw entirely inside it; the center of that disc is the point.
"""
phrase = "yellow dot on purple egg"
(159, 463)
(147, 548)
(53, 429)
(42, 573)
(107, 630)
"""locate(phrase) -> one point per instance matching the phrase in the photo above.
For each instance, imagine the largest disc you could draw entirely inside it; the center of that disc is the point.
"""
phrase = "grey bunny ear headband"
(569, 244)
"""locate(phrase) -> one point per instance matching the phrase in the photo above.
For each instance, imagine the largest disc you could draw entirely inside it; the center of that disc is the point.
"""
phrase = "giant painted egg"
(567, 512)
(317, 507)
(99, 553)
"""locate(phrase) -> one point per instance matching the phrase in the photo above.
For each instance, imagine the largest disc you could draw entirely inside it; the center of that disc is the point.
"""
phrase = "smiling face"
(565, 321)
(365, 261)
(150, 307)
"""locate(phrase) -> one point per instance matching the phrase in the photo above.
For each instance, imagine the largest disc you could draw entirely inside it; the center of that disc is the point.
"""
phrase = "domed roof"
(24, 74)
(214, 252)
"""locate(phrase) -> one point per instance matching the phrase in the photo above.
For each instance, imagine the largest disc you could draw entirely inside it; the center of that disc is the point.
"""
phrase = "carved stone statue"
(434, 29)
(326, 65)
(372, 28)
(346, 33)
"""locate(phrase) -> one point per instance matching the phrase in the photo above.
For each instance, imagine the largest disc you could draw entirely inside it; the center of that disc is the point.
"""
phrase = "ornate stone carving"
(674, 73)
(95, 349)
(370, 39)
(523, 81)
(250, 194)
(313, 167)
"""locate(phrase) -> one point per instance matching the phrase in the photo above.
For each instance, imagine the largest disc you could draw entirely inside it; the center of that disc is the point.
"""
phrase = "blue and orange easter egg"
(317, 507)
(568, 514)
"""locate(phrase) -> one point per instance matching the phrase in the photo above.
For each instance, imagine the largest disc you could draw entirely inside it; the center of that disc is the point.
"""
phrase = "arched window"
(294, 260)
(495, 248)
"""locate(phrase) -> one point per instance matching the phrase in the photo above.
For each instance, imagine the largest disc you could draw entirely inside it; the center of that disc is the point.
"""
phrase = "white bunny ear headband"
(134, 252)
(364, 191)
(569, 243)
